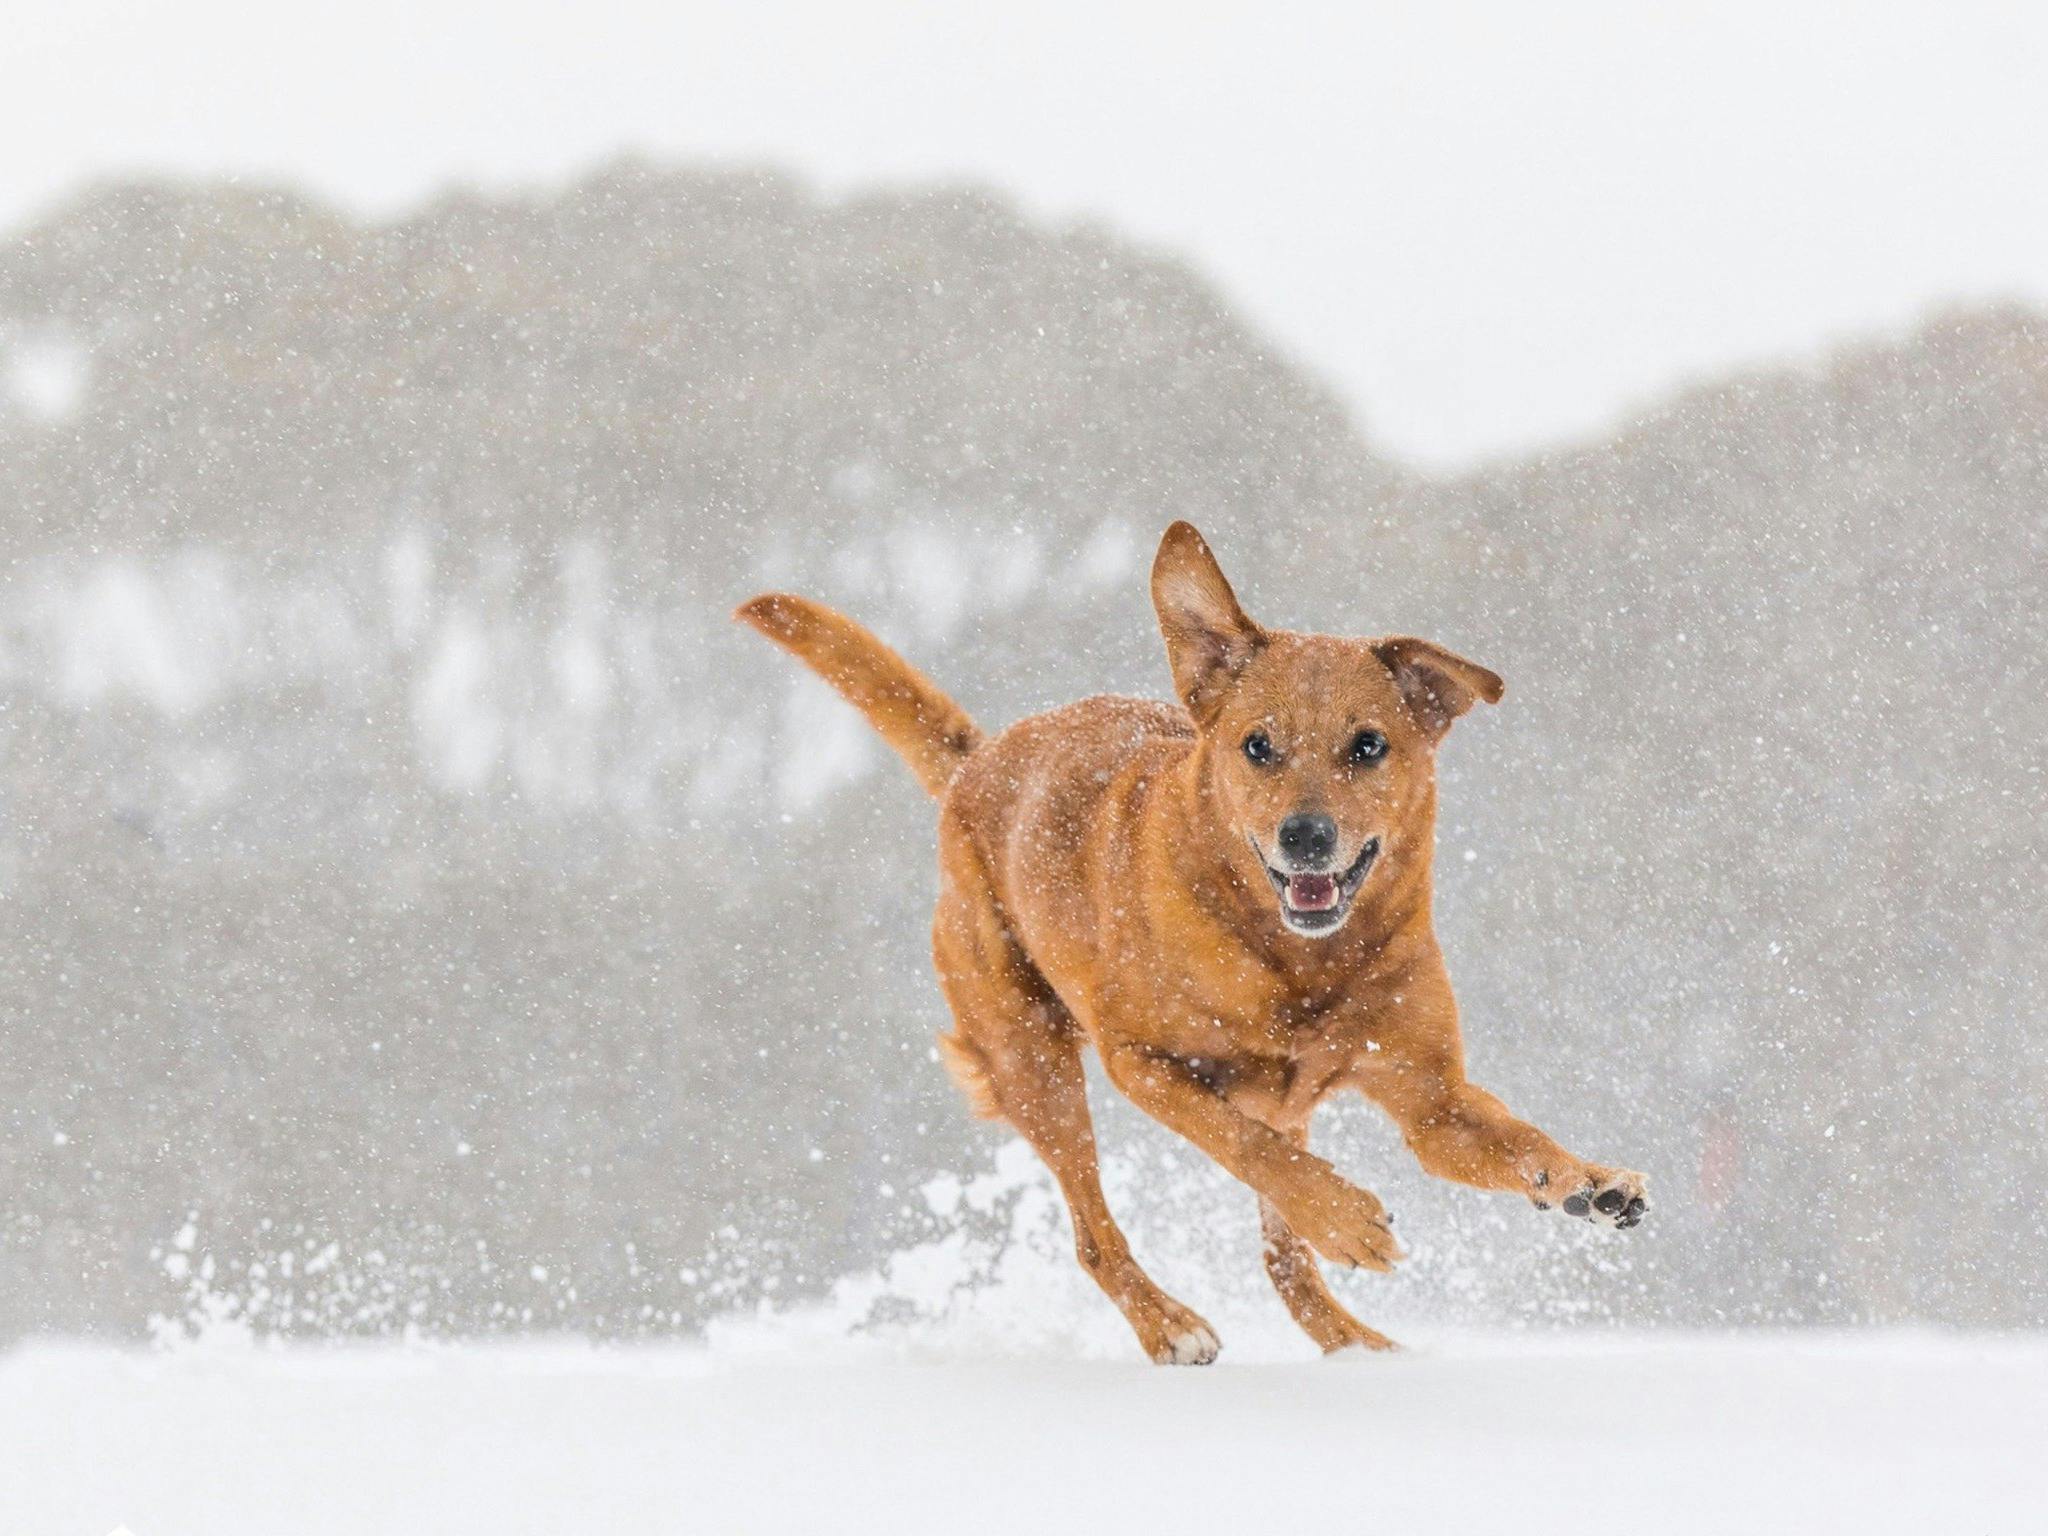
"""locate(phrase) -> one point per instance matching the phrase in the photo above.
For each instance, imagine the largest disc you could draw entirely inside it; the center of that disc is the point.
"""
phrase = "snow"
(1568, 1432)
(44, 376)
(389, 800)
(978, 1382)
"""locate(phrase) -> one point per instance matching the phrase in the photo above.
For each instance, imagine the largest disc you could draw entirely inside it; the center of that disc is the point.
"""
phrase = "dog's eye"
(1259, 747)
(1368, 747)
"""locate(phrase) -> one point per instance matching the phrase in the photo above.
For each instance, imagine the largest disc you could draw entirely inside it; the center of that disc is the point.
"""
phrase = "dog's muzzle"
(1317, 901)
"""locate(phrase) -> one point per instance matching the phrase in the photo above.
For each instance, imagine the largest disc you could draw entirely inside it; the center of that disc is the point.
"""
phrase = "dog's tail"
(928, 730)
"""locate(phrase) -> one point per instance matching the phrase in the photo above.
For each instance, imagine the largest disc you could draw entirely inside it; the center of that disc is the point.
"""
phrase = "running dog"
(1230, 900)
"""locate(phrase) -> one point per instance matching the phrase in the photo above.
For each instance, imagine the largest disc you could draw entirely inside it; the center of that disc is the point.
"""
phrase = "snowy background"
(425, 901)
(433, 928)
(428, 919)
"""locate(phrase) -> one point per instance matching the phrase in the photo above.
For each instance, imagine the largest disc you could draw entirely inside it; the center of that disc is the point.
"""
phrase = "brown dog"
(1231, 900)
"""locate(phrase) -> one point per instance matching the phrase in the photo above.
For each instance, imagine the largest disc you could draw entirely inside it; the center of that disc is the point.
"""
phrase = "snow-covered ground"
(1572, 1432)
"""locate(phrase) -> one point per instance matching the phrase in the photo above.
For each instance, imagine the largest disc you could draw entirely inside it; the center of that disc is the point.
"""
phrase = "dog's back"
(1031, 792)
(1049, 811)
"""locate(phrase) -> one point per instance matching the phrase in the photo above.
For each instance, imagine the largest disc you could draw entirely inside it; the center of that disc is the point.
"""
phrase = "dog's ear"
(1439, 685)
(1208, 637)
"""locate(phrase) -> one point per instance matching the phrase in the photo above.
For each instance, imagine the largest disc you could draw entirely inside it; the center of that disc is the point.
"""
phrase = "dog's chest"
(1276, 1060)
(1281, 1088)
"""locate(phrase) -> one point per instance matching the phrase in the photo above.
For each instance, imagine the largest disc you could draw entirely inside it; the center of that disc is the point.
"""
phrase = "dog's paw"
(1197, 1346)
(1346, 1225)
(1362, 1343)
(1607, 1197)
(1176, 1335)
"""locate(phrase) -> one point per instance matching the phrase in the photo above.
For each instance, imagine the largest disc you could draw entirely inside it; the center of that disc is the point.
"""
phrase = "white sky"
(1491, 223)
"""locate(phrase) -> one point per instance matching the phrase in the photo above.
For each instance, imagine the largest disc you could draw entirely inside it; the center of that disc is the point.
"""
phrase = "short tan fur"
(1229, 898)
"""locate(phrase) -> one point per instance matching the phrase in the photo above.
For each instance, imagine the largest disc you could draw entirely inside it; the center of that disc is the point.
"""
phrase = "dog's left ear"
(1439, 685)
(1208, 636)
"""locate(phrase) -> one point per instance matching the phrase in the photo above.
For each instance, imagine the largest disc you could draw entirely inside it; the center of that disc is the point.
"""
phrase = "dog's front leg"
(1459, 1131)
(1342, 1222)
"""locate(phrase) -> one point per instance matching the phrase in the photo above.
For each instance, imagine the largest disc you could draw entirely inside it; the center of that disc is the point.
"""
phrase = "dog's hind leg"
(1291, 1266)
(1017, 1053)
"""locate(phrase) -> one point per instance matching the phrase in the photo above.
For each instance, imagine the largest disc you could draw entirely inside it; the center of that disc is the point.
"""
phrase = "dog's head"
(1319, 752)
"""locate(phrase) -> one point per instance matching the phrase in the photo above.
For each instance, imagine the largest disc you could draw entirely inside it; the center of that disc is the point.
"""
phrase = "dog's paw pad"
(1612, 1200)
(1194, 1346)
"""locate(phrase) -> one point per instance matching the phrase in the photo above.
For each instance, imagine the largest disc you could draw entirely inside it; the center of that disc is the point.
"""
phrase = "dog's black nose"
(1309, 841)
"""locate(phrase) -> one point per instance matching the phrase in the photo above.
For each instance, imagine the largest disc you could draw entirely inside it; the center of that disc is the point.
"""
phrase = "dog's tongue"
(1311, 893)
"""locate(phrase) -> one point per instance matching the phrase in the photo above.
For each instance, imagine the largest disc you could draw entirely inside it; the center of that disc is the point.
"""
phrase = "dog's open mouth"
(1317, 903)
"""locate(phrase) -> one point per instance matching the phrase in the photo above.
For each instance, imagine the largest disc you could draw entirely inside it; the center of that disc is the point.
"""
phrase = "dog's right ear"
(1209, 639)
